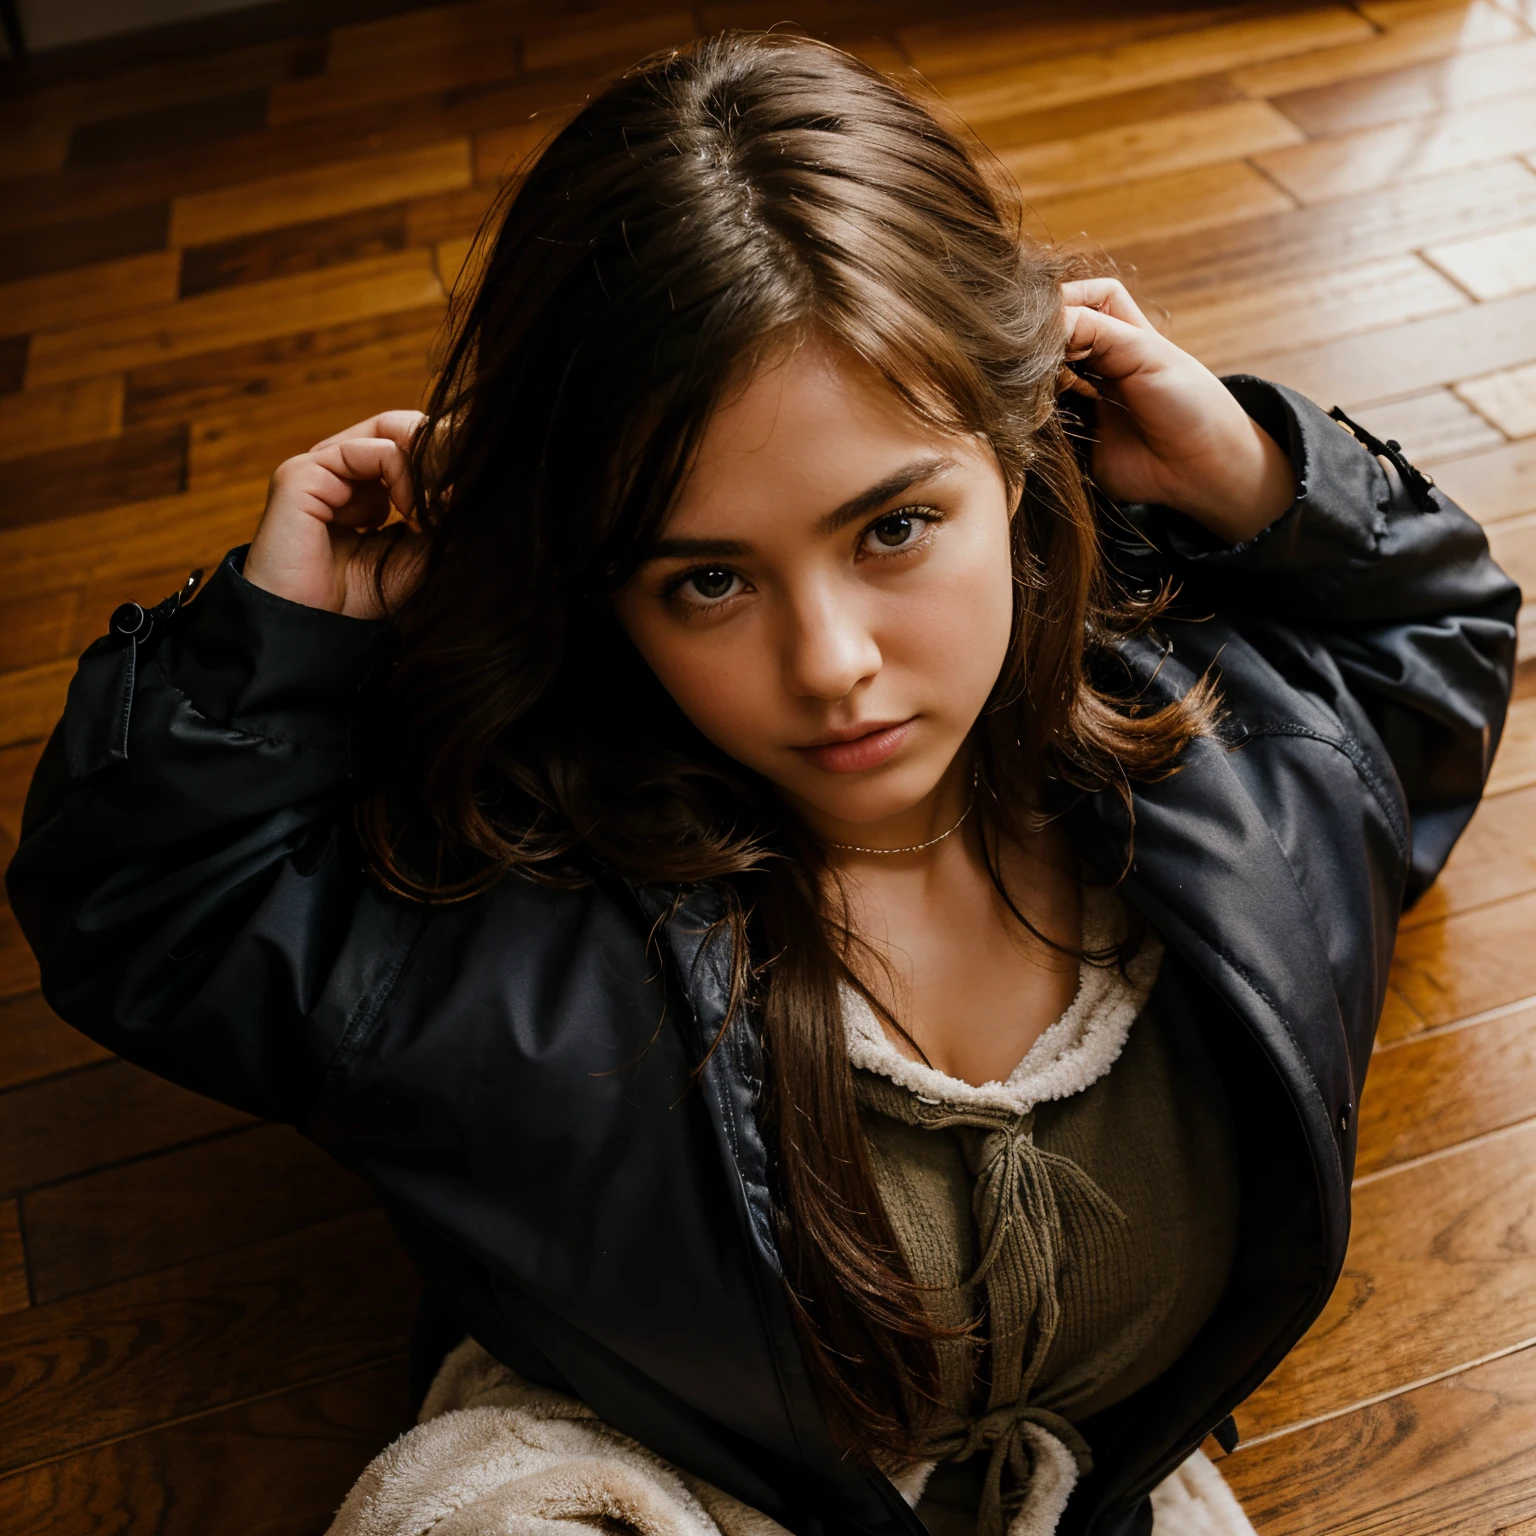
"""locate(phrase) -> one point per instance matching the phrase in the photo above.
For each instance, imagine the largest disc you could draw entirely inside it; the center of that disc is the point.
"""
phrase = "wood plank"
(1439, 1271)
(1221, 325)
(1406, 359)
(1452, 1458)
(138, 465)
(1179, 142)
(502, 152)
(1438, 210)
(321, 191)
(31, 702)
(1463, 80)
(1495, 858)
(101, 547)
(35, 128)
(60, 1127)
(212, 381)
(35, 1042)
(181, 1205)
(17, 765)
(581, 41)
(166, 126)
(295, 248)
(18, 965)
(1422, 1096)
(84, 242)
(200, 1336)
(89, 293)
(252, 313)
(1512, 543)
(1350, 163)
(1431, 427)
(1468, 963)
(254, 439)
(275, 1466)
(1036, 84)
(43, 419)
(1494, 485)
(1160, 205)
(1416, 39)
(13, 363)
(13, 1260)
(1508, 400)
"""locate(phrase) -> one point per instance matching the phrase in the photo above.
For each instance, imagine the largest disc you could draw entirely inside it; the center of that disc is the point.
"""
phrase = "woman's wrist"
(1254, 484)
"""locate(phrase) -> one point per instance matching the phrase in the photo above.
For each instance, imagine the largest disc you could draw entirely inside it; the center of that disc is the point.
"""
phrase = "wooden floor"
(204, 266)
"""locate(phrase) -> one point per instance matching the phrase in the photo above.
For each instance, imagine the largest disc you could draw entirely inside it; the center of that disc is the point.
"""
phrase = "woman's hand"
(318, 540)
(1169, 431)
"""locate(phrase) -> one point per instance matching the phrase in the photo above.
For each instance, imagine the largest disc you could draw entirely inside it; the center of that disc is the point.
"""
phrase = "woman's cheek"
(728, 698)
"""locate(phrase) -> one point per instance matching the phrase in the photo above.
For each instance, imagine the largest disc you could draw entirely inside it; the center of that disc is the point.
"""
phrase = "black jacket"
(513, 1073)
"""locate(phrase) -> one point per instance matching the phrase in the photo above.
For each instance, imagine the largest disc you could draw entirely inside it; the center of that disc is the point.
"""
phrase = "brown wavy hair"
(714, 205)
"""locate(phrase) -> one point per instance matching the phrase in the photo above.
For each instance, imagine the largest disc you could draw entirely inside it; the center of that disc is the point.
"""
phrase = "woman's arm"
(181, 875)
(1361, 552)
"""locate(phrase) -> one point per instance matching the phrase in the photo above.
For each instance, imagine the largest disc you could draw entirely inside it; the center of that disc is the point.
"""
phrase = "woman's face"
(830, 599)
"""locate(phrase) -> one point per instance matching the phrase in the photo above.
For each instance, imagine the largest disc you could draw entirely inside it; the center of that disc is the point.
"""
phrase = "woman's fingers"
(1114, 348)
(1108, 295)
(398, 426)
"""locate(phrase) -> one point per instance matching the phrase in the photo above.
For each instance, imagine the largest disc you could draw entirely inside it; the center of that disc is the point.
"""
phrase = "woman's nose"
(829, 649)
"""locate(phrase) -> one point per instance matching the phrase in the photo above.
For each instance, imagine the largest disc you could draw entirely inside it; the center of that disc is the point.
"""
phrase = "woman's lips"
(859, 752)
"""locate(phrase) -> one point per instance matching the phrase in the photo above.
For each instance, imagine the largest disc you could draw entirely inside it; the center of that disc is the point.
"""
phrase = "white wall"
(53, 23)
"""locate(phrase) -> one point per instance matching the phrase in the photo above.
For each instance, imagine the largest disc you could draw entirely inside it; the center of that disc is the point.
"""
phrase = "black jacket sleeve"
(185, 891)
(1392, 578)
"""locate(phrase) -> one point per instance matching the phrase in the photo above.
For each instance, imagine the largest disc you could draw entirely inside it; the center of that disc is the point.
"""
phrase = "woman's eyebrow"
(903, 479)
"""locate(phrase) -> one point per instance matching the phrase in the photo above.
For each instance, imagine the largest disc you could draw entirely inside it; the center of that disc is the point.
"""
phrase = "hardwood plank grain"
(1392, 222)
(1452, 1458)
(200, 1336)
(252, 313)
(219, 379)
(180, 1205)
(13, 362)
(35, 1042)
(295, 248)
(580, 40)
(1221, 325)
(1160, 205)
(31, 702)
(16, 768)
(1413, 40)
(60, 1127)
(1178, 142)
(274, 1466)
(1468, 963)
(300, 197)
(35, 127)
(959, 44)
(1422, 1096)
(167, 126)
(89, 293)
(1508, 400)
(449, 214)
(1431, 427)
(1494, 485)
(1347, 164)
(1125, 110)
(1515, 765)
(43, 419)
(18, 966)
(85, 242)
(1495, 858)
(14, 1293)
(1039, 83)
(1440, 1271)
(102, 547)
(1463, 80)
(1406, 359)
(1512, 543)
(138, 465)
(256, 437)
(1494, 265)
(502, 152)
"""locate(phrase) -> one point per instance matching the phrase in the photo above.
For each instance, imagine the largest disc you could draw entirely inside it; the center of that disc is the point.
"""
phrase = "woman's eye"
(895, 531)
(712, 584)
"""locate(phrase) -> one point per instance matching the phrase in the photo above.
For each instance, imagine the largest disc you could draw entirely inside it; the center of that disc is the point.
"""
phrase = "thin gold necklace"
(913, 847)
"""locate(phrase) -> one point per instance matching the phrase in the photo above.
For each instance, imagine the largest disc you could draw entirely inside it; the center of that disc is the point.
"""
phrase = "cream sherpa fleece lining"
(494, 1455)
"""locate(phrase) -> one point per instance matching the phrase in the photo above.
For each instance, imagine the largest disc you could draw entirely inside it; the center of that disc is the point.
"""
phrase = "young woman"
(843, 942)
